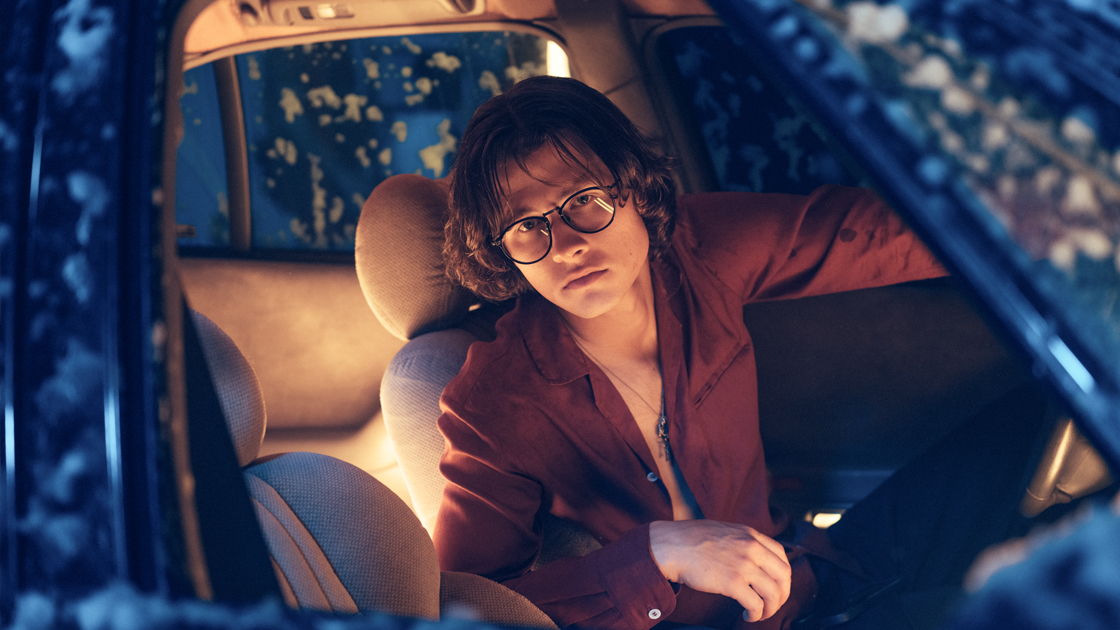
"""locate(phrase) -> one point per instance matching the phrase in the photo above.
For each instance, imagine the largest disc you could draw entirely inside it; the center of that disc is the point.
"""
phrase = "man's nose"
(566, 241)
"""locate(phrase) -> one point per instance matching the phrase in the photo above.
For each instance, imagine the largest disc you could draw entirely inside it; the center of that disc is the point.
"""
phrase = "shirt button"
(653, 612)
(652, 476)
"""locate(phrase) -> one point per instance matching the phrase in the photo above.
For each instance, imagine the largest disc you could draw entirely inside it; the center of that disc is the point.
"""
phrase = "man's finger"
(771, 544)
(754, 607)
(757, 592)
(775, 566)
(772, 593)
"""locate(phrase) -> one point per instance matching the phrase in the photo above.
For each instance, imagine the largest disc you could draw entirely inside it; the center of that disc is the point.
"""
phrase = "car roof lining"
(216, 28)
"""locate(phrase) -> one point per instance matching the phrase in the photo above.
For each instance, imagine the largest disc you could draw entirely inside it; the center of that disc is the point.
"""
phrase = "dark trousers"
(926, 524)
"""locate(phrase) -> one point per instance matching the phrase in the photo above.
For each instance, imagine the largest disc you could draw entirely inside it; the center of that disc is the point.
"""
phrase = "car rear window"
(326, 122)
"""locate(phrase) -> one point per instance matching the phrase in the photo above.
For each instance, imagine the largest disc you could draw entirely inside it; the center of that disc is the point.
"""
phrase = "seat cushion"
(342, 540)
(468, 596)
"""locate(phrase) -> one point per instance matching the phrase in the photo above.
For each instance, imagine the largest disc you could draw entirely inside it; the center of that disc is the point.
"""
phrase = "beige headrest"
(239, 391)
(398, 249)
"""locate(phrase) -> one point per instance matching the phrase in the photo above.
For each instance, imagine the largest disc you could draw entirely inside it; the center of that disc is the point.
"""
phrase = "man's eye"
(581, 200)
(529, 225)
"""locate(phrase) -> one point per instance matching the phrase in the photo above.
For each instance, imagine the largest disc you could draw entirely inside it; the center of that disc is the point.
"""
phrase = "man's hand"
(732, 560)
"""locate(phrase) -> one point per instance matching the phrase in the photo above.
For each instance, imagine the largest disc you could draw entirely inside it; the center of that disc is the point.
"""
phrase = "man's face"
(585, 275)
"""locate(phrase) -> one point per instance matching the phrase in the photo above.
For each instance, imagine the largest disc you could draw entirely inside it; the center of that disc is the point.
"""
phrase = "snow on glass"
(1045, 176)
(1019, 107)
(327, 122)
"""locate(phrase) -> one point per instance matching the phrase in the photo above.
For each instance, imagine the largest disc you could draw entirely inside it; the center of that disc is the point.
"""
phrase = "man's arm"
(487, 525)
(775, 246)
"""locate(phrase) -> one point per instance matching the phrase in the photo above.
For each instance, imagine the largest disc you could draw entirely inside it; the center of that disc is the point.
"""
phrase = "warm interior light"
(333, 11)
(556, 60)
(824, 520)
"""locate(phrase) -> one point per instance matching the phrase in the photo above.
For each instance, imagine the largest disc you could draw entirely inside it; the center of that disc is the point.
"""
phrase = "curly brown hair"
(507, 129)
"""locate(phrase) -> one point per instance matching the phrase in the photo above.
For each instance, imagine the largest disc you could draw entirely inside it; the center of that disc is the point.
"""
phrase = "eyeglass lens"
(530, 239)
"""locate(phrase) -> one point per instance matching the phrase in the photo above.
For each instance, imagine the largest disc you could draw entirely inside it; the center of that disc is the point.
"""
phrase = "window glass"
(998, 124)
(326, 122)
(201, 193)
(755, 140)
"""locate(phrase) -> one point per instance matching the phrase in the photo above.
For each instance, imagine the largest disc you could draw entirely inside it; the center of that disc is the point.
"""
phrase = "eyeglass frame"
(497, 242)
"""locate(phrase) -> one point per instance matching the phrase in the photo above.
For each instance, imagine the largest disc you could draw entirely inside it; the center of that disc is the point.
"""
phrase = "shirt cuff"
(634, 583)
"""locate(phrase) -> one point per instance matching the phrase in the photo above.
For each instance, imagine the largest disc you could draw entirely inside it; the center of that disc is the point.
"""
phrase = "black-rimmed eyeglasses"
(528, 240)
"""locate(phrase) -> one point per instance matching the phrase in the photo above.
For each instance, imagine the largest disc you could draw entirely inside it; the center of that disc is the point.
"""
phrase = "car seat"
(338, 539)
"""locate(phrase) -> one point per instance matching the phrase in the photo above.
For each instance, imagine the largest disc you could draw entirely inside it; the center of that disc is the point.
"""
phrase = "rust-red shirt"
(532, 426)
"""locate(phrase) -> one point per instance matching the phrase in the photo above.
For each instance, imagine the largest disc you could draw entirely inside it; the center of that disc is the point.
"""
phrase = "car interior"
(306, 158)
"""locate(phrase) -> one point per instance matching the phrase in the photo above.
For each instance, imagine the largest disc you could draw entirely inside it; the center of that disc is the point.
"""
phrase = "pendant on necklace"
(663, 434)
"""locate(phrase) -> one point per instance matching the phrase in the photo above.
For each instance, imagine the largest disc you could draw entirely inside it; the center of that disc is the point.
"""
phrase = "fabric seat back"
(339, 540)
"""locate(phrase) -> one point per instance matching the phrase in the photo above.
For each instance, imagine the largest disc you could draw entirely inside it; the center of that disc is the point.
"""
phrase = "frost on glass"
(201, 192)
(1017, 102)
(755, 140)
(327, 122)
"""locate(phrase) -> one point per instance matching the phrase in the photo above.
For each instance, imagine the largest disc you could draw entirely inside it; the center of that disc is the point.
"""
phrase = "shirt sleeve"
(776, 246)
(488, 524)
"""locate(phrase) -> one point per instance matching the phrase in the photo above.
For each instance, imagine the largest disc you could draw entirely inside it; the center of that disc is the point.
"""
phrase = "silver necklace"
(662, 421)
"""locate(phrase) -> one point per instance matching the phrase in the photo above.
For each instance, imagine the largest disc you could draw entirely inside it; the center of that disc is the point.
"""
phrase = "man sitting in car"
(621, 391)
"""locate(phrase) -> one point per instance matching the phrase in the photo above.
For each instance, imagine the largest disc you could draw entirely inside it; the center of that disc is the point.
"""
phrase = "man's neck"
(627, 332)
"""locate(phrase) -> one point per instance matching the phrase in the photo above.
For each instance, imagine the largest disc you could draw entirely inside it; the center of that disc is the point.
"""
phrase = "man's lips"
(584, 277)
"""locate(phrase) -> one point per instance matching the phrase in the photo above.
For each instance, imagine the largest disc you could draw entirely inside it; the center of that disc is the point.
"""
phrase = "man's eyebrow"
(570, 188)
(582, 180)
(521, 213)
(516, 214)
